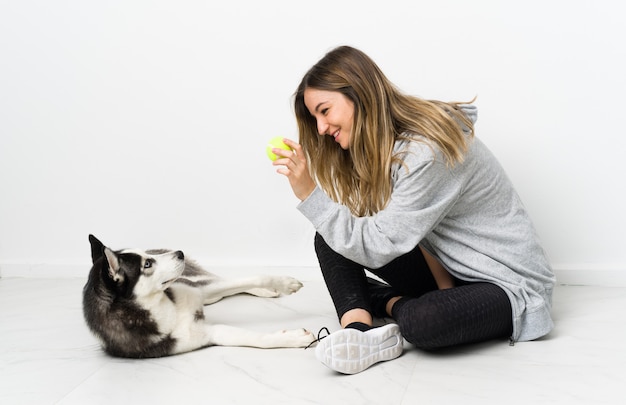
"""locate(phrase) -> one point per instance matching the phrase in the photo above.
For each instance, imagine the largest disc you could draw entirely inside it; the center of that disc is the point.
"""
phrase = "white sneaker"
(350, 351)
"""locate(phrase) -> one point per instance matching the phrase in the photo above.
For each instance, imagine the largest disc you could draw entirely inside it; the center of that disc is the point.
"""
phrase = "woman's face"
(333, 113)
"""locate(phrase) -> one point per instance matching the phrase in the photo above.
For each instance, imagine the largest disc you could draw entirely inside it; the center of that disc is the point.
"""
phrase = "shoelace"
(319, 337)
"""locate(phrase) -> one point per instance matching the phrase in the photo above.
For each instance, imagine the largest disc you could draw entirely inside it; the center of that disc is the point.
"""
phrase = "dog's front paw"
(276, 286)
(286, 285)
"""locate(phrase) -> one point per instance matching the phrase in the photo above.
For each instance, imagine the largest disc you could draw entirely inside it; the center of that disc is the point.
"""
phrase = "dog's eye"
(147, 264)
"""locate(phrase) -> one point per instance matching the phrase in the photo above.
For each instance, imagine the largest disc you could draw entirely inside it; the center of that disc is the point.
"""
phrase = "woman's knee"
(318, 241)
(423, 335)
(415, 322)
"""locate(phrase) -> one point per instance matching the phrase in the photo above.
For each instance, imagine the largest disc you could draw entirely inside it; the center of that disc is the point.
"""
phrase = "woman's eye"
(147, 264)
(324, 111)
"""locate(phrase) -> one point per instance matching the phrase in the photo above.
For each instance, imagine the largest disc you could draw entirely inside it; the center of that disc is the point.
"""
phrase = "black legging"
(428, 317)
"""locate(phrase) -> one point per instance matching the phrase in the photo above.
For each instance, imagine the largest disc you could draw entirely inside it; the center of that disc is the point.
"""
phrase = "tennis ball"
(275, 142)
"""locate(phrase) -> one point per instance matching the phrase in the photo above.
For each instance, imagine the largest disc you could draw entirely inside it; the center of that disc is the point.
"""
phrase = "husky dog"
(150, 304)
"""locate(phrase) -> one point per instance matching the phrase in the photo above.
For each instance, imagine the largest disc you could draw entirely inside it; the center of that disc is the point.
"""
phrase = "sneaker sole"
(350, 351)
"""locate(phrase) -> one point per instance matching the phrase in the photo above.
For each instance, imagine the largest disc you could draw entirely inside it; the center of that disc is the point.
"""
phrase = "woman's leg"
(411, 274)
(408, 274)
(356, 296)
(357, 346)
(470, 313)
(346, 283)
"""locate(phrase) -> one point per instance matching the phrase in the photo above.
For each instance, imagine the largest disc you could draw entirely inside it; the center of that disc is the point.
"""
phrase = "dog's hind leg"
(224, 335)
(262, 292)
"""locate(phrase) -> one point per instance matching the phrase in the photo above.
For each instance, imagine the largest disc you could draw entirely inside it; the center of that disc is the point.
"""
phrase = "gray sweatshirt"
(469, 217)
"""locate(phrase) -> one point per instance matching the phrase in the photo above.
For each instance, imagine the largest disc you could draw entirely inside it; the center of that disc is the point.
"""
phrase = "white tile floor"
(47, 356)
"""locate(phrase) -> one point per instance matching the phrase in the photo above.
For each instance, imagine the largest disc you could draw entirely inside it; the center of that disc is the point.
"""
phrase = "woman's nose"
(322, 127)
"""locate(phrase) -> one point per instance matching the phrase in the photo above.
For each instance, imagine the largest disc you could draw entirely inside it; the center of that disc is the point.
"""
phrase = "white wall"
(145, 122)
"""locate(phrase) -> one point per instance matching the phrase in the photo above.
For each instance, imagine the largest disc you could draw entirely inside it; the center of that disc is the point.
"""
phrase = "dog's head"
(133, 272)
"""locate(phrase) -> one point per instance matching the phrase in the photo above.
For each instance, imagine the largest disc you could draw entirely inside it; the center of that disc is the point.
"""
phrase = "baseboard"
(593, 275)
(566, 274)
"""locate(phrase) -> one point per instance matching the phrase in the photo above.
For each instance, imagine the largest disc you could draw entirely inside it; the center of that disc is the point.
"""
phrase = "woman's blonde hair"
(360, 177)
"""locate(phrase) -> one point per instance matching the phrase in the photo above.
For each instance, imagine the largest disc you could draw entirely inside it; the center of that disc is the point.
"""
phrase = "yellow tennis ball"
(275, 142)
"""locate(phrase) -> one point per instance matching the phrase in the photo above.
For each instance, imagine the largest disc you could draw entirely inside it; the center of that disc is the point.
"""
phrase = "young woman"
(400, 186)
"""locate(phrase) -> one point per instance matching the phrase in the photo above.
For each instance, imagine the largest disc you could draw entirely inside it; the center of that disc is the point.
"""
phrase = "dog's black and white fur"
(150, 304)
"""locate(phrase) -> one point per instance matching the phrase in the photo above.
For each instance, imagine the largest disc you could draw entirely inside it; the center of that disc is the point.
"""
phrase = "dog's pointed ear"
(113, 265)
(97, 248)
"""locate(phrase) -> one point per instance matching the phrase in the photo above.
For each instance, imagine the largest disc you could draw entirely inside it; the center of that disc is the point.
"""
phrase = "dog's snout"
(180, 255)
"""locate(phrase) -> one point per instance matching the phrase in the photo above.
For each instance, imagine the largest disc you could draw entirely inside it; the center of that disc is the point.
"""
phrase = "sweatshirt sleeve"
(424, 191)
